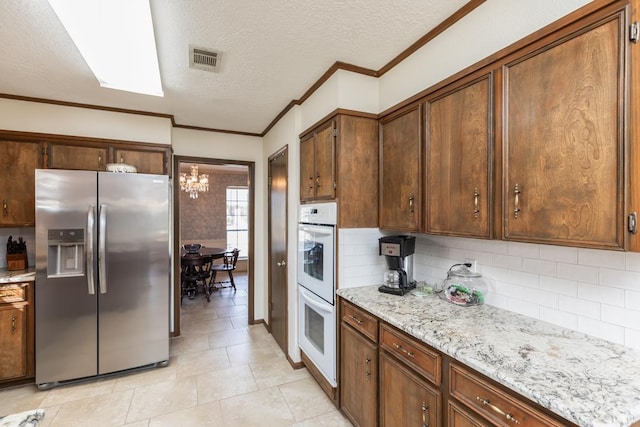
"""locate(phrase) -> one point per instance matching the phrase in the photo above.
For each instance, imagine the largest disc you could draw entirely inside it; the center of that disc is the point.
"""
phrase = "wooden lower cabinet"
(16, 333)
(406, 399)
(359, 377)
(392, 379)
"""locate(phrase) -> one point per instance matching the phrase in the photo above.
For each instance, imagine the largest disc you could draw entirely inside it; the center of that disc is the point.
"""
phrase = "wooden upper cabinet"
(401, 170)
(307, 169)
(458, 159)
(317, 164)
(145, 161)
(564, 141)
(62, 156)
(357, 153)
(18, 162)
(339, 161)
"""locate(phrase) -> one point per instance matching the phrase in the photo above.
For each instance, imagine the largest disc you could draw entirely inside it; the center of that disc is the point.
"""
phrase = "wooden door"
(18, 162)
(13, 332)
(145, 161)
(278, 269)
(325, 170)
(358, 378)
(401, 171)
(307, 169)
(62, 156)
(405, 398)
(564, 144)
(458, 159)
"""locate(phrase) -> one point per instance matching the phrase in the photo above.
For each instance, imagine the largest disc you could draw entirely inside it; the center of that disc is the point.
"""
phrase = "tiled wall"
(593, 291)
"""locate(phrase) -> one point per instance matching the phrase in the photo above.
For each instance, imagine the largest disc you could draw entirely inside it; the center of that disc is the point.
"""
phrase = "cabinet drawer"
(415, 354)
(12, 293)
(360, 320)
(499, 407)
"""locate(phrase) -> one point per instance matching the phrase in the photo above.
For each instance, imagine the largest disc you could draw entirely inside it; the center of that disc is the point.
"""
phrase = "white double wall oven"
(316, 276)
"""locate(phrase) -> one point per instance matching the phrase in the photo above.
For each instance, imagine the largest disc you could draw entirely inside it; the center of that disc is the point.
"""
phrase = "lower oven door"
(317, 332)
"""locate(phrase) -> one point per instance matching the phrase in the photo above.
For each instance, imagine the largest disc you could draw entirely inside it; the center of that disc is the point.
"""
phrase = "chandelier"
(194, 183)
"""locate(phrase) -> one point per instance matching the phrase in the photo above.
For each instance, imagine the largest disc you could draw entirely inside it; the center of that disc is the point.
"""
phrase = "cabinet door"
(63, 156)
(400, 171)
(564, 141)
(325, 171)
(358, 377)
(405, 398)
(12, 341)
(458, 160)
(145, 161)
(307, 169)
(18, 162)
(459, 417)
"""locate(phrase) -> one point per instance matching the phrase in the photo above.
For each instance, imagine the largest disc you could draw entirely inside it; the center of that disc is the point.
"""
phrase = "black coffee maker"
(398, 251)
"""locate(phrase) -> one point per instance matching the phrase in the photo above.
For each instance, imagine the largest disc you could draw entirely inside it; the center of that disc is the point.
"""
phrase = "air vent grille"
(204, 59)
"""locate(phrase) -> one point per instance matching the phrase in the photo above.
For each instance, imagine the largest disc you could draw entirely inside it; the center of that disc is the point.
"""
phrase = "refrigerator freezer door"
(66, 319)
(134, 290)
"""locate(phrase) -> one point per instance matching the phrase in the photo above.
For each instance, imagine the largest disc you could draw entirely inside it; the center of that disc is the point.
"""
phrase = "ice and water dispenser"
(65, 252)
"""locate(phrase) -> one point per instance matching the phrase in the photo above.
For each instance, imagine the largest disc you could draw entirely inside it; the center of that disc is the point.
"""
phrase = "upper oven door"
(316, 260)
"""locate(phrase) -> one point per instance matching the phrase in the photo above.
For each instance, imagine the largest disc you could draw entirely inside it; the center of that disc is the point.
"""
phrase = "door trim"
(251, 166)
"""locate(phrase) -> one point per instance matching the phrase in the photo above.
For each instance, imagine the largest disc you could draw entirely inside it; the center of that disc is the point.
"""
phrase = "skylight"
(116, 39)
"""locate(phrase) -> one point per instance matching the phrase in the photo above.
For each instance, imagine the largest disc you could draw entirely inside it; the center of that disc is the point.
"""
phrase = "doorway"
(278, 269)
(230, 182)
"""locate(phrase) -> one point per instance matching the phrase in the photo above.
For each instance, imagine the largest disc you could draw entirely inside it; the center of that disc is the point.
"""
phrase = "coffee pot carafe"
(398, 252)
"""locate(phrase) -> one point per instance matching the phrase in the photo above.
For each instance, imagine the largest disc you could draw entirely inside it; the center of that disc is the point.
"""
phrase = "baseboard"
(330, 391)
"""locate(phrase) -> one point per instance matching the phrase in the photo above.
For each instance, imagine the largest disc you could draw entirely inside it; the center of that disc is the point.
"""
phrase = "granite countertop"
(27, 275)
(586, 380)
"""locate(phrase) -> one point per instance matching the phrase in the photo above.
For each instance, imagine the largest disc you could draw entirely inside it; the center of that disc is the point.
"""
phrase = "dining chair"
(195, 269)
(229, 261)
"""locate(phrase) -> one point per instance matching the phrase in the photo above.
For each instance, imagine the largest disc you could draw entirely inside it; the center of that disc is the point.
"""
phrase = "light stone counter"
(28, 275)
(586, 380)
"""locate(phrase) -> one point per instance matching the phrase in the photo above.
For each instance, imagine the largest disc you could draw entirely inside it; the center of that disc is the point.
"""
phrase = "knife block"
(17, 262)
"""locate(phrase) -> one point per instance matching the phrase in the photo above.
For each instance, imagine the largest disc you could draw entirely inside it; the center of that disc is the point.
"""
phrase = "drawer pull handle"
(404, 350)
(425, 412)
(355, 319)
(5, 208)
(494, 408)
(13, 325)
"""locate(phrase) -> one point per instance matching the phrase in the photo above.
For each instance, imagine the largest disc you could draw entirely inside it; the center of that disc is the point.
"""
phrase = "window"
(238, 219)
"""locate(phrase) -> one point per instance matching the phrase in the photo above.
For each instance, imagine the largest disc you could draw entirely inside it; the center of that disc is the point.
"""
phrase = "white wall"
(26, 116)
(213, 145)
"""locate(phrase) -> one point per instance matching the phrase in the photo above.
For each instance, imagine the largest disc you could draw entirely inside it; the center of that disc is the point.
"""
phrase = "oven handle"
(326, 230)
(315, 304)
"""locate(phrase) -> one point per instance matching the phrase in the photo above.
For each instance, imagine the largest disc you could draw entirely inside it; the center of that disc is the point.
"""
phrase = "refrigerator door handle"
(89, 259)
(102, 238)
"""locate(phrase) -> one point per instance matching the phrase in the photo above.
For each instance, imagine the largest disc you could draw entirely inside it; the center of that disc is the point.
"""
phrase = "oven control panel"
(319, 213)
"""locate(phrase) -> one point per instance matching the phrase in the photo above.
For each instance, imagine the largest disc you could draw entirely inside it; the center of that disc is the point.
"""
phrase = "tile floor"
(222, 372)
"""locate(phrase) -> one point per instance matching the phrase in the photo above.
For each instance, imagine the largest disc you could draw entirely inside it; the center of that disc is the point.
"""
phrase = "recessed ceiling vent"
(204, 59)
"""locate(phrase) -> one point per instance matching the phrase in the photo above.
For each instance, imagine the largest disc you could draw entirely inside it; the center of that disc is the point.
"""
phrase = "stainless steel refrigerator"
(102, 273)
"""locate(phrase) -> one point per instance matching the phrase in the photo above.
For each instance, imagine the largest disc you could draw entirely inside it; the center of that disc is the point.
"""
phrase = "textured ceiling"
(273, 51)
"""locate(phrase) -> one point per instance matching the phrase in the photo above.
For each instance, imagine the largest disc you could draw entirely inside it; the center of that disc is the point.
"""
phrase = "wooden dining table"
(203, 251)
